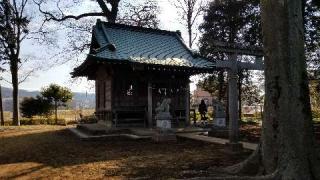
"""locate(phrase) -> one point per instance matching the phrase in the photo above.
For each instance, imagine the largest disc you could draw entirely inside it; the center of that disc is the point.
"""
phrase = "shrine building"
(135, 68)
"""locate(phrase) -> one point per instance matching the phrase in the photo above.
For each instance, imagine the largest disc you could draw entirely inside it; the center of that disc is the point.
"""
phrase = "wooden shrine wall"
(103, 90)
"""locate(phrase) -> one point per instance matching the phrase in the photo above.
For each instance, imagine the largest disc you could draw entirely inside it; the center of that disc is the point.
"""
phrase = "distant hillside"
(80, 100)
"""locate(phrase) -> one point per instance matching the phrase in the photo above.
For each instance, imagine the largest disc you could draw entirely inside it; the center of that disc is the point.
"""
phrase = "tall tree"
(13, 30)
(232, 22)
(189, 11)
(215, 86)
(288, 148)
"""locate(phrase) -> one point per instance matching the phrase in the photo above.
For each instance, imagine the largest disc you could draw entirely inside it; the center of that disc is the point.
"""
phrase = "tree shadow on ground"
(112, 157)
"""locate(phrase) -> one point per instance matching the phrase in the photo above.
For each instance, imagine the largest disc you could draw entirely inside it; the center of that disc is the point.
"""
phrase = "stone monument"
(219, 114)
(219, 128)
(163, 119)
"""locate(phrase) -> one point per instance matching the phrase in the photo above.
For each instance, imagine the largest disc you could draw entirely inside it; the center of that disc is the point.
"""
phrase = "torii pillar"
(233, 100)
(233, 65)
(233, 96)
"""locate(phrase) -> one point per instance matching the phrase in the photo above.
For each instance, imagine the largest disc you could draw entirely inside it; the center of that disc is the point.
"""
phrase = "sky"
(60, 74)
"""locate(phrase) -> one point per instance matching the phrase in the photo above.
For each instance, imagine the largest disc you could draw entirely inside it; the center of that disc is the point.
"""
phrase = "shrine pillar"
(187, 103)
(150, 123)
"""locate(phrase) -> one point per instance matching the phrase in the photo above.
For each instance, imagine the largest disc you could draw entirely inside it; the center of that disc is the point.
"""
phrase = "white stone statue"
(163, 115)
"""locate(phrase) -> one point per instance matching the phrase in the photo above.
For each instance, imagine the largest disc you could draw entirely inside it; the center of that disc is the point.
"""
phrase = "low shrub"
(40, 121)
(249, 121)
(315, 114)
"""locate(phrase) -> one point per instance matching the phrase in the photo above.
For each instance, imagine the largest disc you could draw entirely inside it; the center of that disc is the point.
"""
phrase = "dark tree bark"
(110, 14)
(288, 149)
(56, 111)
(15, 95)
(13, 31)
(1, 108)
(288, 142)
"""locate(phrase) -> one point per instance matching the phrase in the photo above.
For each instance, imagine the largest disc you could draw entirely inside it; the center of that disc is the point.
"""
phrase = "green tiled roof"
(144, 45)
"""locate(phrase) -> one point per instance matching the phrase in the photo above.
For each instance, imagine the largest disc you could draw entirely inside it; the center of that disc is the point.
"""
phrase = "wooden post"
(187, 105)
(150, 123)
(233, 100)
(97, 95)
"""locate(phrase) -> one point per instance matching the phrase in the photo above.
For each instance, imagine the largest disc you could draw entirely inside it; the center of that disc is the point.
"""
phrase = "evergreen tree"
(58, 95)
(231, 22)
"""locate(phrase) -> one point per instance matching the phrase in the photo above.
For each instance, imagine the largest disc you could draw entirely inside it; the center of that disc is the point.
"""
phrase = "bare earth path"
(52, 152)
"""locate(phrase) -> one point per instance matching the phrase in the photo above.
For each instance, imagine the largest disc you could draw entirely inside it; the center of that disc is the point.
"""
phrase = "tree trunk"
(190, 36)
(15, 95)
(189, 22)
(1, 108)
(288, 148)
(56, 111)
(288, 142)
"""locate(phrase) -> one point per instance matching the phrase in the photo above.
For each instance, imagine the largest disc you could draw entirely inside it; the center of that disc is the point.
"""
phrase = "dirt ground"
(52, 152)
(252, 133)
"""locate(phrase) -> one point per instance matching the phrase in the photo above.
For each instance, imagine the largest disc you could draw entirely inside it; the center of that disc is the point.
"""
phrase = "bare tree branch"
(109, 14)
(49, 16)
(189, 11)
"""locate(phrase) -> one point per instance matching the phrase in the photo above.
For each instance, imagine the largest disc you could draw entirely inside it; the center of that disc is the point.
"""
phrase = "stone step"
(129, 125)
(93, 129)
(86, 136)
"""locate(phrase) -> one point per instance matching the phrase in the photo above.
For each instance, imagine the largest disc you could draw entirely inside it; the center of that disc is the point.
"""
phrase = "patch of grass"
(64, 116)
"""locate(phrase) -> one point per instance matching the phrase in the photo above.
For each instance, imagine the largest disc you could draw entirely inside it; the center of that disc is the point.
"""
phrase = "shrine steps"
(129, 122)
(98, 131)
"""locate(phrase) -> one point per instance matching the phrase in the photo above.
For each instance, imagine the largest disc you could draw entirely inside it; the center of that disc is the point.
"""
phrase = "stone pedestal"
(221, 122)
(219, 114)
(219, 132)
(234, 147)
(163, 117)
(164, 124)
(164, 132)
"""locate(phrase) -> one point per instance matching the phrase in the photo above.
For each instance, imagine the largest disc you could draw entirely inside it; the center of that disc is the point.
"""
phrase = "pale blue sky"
(60, 74)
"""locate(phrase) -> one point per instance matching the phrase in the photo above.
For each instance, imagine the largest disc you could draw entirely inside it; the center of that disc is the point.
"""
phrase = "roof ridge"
(138, 28)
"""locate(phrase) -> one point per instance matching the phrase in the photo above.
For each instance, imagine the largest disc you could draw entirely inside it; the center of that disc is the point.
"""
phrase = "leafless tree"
(108, 9)
(143, 14)
(78, 27)
(189, 11)
(13, 30)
